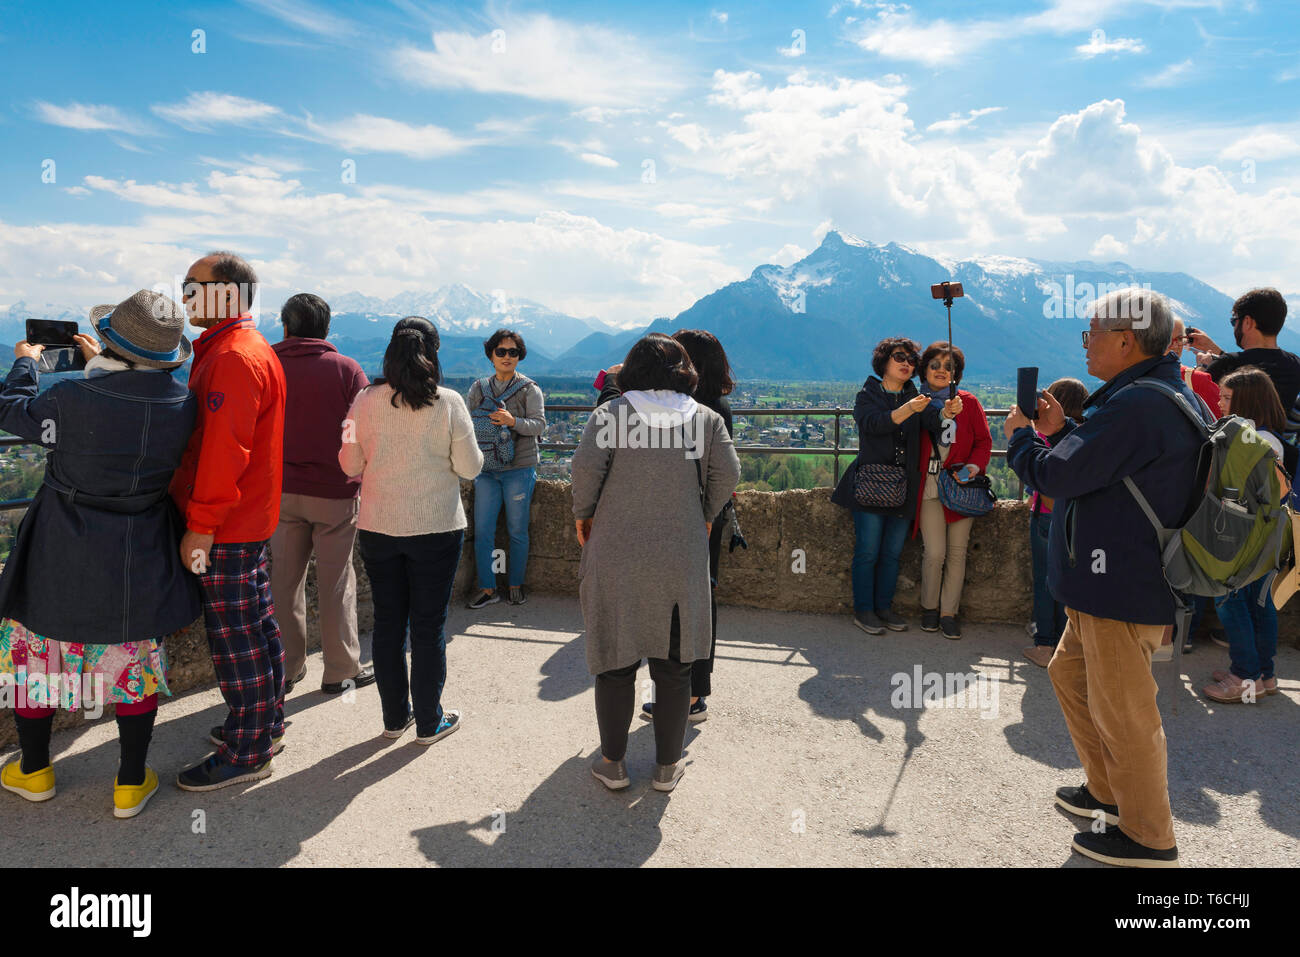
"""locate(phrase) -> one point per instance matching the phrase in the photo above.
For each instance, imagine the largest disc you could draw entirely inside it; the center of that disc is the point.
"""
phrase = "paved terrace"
(804, 761)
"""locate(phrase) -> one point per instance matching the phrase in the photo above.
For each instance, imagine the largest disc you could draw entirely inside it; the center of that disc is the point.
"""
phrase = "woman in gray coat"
(652, 468)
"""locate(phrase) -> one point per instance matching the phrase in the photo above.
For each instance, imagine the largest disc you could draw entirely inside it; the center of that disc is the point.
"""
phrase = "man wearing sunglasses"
(507, 400)
(1257, 318)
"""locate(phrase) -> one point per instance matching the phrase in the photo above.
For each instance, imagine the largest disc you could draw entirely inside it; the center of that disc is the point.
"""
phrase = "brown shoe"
(1268, 684)
(1040, 654)
(1233, 690)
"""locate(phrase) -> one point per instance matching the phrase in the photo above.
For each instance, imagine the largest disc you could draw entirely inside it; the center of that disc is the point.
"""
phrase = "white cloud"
(596, 159)
(1172, 75)
(88, 116)
(305, 16)
(787, 255)
(956, 121)
(542, 58)
(1107, 248)
(720, 16)
(379, 134)
(76, 191)
(202, 111)
(1261, 146)
(1099, 44)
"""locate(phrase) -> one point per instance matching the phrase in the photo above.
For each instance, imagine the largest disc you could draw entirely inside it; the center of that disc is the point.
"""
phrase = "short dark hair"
(1265, 306)
(306, 316)
(494, 340)
(1255, 397)
(942, 348)
(1071, 394)
(886, 347)
(710, 361)
(658, 361)
(411, 362)
(231, 268)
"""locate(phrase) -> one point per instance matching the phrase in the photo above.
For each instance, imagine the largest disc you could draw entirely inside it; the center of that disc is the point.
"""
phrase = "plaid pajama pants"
(246, 650)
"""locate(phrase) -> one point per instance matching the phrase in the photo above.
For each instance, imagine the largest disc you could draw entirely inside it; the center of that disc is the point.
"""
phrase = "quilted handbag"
(971, 499)
(880, 486)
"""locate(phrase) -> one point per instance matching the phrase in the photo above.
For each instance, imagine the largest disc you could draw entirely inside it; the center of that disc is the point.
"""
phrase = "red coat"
(228, 484)
(1203, 384)
(972, 445)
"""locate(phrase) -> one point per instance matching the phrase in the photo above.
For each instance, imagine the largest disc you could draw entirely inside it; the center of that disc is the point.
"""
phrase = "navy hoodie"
(1103, 556)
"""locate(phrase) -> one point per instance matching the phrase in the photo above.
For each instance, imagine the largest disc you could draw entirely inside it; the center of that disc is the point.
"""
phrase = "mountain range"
(817, 319)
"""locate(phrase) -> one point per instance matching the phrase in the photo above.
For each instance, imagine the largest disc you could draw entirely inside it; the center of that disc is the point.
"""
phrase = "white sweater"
(410, 461)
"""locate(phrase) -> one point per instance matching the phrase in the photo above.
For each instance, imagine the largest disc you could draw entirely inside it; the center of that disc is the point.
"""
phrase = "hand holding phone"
(1027, 391)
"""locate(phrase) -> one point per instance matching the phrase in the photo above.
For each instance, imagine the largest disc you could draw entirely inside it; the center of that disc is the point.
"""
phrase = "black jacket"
(1103, 556)
(878, 439)
(97, 557)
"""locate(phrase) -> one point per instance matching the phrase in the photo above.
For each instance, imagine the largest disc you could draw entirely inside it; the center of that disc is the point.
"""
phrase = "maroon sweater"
(321, 386)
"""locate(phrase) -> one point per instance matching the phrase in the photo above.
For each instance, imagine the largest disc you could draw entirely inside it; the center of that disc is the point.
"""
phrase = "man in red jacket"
(318, 509)
(228, 489)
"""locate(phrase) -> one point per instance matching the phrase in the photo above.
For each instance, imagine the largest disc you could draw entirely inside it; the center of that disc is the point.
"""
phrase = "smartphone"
(943, 290)
(1027, 391)
(51, 333)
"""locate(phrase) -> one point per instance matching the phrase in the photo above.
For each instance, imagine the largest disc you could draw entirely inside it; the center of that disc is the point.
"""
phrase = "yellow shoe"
(37, 786)
(130, 799)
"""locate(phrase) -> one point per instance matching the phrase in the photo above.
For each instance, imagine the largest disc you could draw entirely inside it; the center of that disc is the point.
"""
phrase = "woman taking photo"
(642, 506)
(963, 447)
(95, 582)
(411, 443)
(881, 490)
(505, 404)
(1251, 626)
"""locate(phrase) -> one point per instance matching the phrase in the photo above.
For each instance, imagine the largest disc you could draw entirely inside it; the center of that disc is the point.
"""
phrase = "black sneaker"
(484, 598)
(890, 620)
(929, 619)
(213, 773)
(517, 596)
(1113, 846)
(217, 735)
(1079, 801)
(290, 682)
(950, 627)
(869, 623)
(699, 711)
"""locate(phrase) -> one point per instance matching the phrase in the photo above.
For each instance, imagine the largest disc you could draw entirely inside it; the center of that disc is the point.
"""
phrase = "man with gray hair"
(1104, 566)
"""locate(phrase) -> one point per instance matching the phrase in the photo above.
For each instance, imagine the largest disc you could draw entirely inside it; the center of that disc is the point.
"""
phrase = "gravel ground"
(805, 761)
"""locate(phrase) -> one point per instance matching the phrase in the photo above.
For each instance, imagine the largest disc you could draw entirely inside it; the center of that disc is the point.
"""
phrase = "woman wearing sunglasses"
(890, 413)
(507, 404)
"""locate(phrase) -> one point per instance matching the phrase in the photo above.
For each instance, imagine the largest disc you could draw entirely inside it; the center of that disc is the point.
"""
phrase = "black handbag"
(880, 486)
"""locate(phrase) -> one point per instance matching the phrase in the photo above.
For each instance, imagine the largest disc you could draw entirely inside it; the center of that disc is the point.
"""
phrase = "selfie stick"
(952, 383)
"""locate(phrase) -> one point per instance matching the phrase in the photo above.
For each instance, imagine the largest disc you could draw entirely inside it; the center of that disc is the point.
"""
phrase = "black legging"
(702, 668)
(616, 702)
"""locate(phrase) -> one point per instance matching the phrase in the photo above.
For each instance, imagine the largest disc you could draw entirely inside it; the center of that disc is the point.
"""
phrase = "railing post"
(837, 445)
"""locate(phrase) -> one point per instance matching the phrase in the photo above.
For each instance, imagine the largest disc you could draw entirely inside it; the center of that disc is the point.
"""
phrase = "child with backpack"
(1248, 614)
(508, 411)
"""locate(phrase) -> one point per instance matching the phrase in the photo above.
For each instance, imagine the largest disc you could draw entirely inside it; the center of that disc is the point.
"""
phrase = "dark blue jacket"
(1103, 557)
(96, 559)
(879, 438)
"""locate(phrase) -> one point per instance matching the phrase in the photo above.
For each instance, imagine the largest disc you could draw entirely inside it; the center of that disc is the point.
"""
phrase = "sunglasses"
(940, 366)
(512, 353)
(902, 358)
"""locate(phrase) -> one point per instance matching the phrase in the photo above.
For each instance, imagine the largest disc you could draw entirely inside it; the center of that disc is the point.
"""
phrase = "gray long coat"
(648, 548)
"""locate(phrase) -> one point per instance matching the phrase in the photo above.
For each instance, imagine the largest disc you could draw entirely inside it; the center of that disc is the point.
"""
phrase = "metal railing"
(836, 450)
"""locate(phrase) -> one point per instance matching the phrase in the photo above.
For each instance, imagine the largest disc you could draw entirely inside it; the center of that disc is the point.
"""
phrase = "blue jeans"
(410, 581)
(1049, 614)
(514, 487)
(1252, 630)
(879, 543)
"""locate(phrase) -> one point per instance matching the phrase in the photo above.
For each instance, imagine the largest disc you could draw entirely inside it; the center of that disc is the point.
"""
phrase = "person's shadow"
(610, 828)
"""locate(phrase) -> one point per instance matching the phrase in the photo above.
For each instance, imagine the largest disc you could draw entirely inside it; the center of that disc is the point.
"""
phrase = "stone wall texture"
(800, 548)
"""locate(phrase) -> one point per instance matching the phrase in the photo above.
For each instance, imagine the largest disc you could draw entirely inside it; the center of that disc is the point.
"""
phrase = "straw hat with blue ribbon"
(148, 328)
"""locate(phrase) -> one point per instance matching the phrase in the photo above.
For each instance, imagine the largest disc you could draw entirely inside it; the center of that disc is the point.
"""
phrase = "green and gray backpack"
(1240, 530)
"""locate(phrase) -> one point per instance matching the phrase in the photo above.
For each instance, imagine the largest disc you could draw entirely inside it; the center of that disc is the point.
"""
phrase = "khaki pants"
(944, 558)
(329, 527)
(1102, 675)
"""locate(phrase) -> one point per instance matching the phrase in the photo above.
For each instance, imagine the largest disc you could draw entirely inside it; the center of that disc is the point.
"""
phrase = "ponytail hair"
(411, 366)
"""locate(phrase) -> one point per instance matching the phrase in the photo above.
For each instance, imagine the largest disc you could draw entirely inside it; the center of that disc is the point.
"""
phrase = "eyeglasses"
(186, 287)
(902, 358)
(1088, 333)
(512, 353)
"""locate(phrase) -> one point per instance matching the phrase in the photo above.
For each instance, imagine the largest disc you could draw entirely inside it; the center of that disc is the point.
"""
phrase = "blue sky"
(622, 160)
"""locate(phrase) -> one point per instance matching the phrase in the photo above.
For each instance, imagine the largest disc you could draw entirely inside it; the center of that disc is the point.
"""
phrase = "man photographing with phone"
(228, 488)
(1104, 565)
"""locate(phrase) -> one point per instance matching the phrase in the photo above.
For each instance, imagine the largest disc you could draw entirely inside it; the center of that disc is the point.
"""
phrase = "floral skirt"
(53, 674)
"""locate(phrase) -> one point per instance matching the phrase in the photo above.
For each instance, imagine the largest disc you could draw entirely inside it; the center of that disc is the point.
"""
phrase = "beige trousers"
(327, 526)
(1102, 674)
(944, 557)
